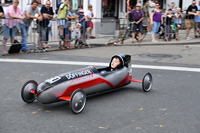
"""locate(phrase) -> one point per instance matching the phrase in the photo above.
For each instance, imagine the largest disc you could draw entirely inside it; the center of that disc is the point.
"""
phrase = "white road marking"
(99, 64)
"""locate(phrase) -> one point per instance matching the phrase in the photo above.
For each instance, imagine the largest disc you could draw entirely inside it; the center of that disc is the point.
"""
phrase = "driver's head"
(114, 63)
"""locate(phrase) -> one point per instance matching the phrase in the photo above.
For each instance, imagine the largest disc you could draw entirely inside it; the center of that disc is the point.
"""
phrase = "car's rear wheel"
(78, 101)
(147, 82)
(26, 94)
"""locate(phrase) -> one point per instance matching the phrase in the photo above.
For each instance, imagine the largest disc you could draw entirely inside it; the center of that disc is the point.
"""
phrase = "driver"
(114, 63)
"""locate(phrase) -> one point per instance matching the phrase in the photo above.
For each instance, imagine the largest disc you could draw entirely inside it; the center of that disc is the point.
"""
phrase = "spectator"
(197, 21)
(47, 14)
(156, 20)
(80, 7)
(77, 34)
(70, 32)
(189, 19)
(138, 16)
(1, 11)
(168, 28)
(81, 20)
(146, 20)
(48, 32)
(29, 13)
(178, 21)
(67, 41)
(13, 14)
(62, 12)
(172, 7)
(89, 16)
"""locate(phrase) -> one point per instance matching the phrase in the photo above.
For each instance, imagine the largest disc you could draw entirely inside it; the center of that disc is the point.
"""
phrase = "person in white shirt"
(89, 14)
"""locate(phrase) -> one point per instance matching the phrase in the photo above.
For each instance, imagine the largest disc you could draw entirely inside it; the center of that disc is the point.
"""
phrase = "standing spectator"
(62, 12)
(178, 21)
(156, 20)
(13, 14)
(138, 16)
(189, 19)
(197, 21)
(29, 13)
(77, 34)
(146, 20)
(89, 14)
(67, 41)
(1, 15)
(80, 7)
(173, 11)
(1, 11)
(168, 28)
(81, 20)
(172, 7)
(48, 33)
(47, 14)
(70, 32)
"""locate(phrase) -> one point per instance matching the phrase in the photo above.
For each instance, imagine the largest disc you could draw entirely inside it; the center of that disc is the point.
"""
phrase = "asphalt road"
(172, 106)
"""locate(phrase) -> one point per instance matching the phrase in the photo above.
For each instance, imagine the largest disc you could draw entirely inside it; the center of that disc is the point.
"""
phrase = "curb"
(149, 44)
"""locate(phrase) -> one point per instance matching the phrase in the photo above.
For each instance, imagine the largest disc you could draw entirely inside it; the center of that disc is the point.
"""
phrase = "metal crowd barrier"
(51, 37)
(174, 29)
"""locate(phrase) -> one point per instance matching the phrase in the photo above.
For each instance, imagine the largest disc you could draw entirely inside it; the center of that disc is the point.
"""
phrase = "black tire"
(25, 92)
(147, 82)
(144, 32)
(78, 101)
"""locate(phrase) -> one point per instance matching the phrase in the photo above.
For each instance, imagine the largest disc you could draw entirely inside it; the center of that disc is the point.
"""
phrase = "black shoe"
(25, 50)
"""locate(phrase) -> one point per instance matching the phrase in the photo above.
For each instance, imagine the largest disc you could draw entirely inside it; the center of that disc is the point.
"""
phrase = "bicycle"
(128, 33)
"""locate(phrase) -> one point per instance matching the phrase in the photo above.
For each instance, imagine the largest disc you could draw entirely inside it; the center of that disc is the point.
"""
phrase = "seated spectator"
(9, 25)
(168, 28)
(178, 21)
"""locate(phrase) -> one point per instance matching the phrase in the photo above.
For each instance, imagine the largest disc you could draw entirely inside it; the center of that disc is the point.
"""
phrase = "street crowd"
(14, 17)
(171, 20)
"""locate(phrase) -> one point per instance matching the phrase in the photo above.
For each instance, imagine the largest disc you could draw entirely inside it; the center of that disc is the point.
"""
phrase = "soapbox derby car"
(74, 86)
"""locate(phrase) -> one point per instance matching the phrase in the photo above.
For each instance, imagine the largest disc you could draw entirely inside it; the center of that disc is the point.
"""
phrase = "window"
(8, 1)
(109, 8)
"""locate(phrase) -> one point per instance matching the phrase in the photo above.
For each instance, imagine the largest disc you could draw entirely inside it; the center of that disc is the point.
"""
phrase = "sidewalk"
(146, 41)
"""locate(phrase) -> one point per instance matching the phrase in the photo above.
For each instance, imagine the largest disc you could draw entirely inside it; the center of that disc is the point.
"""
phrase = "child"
(178, 20)
(69, 16)
(89, 14)
(168, 28)
(81, 20)
(70, 32)
(77, 34)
